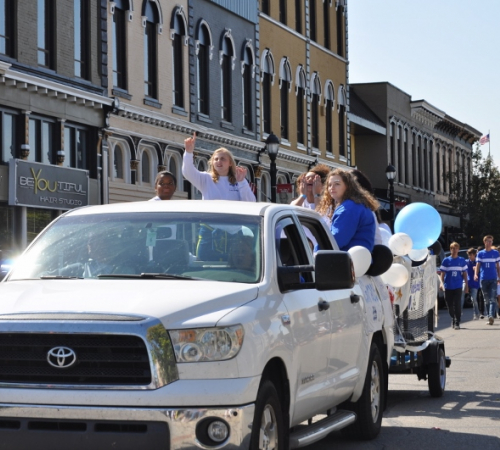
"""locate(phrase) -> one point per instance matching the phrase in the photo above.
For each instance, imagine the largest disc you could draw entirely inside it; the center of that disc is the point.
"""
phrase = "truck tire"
(436, 375)
(268, 428)
(370, 405)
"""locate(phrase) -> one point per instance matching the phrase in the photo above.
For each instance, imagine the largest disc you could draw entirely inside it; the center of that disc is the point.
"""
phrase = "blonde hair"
(352, 192)
(454, 244)
(232, 166)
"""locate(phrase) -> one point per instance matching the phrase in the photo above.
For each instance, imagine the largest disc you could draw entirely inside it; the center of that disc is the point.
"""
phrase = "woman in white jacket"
(224, 180)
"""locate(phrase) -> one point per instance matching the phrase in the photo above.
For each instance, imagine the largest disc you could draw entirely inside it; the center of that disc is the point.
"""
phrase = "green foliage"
(477, 200)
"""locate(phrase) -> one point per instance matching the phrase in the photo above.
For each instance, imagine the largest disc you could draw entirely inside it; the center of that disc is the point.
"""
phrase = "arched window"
(247, 88)
(204, 54)
(315, 102)
(267, 74)
(300, 83)
(226, 62)
(178, 33)
(145, 167)
(329, 105)
(151, 22)
(340, 29)
(265, 190)
(285, 86)
(118, 172)
(341, 100)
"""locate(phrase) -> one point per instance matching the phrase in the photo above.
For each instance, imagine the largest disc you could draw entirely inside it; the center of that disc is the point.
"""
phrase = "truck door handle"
(354, 298)
(323, 305)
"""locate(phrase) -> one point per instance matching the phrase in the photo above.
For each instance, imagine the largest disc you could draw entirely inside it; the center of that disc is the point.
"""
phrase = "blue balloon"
(421, 222)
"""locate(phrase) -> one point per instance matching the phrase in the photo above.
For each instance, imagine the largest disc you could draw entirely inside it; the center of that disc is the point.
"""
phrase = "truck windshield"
(218, 247)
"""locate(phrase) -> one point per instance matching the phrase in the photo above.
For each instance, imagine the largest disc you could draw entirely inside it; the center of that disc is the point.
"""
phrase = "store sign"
(284, 192)
(46, 186)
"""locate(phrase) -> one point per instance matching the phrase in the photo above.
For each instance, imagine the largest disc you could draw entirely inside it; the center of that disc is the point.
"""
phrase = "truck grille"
(101, 359)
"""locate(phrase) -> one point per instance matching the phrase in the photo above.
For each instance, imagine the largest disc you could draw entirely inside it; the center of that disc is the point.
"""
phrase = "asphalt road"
(468, 414)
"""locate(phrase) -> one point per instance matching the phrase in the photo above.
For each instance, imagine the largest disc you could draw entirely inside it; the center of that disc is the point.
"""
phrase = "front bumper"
(61, 427)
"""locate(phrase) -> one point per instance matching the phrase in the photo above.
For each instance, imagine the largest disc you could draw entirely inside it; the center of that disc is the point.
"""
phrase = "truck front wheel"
(370, 405)
(436, 375)
(268, 427)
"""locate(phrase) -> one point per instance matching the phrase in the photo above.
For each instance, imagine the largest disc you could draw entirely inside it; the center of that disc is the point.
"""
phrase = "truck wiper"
(59, 277)
(149, 276)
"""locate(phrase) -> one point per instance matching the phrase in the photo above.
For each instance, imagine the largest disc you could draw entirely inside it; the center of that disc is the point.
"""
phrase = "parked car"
(190, 324)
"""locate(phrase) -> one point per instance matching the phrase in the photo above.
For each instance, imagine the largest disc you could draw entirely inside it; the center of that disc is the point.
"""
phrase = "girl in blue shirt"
(453, 276)
(349, 207)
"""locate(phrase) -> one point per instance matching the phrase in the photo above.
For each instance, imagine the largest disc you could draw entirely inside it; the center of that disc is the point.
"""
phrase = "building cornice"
(40, 86)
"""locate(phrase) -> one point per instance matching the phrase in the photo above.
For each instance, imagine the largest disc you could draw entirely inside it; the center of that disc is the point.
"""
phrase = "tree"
(476, 197)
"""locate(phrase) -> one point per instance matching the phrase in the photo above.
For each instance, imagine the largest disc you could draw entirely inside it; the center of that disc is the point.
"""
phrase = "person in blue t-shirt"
(453, 276)
(488, 273)
(473, 284)
(348, 208)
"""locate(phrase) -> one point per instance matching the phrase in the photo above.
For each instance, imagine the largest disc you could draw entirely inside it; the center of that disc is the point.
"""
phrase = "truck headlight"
(207, 344)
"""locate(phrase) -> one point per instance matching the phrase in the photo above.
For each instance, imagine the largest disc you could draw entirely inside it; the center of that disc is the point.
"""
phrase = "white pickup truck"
(187, 325)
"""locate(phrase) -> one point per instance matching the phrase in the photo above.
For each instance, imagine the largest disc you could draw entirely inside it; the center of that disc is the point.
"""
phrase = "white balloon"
(418, 254)
(361, 259)
(400, 244)
(385, 235)
(396, 276)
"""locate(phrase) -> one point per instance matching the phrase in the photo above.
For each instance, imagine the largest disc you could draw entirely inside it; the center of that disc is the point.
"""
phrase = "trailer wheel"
(436, 375)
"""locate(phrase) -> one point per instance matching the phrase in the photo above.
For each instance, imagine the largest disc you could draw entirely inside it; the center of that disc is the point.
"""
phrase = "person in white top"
(165, 185)
(224, 180)
(310, 186)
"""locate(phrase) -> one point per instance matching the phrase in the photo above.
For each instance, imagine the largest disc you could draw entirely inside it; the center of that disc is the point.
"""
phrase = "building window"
(414, 159)
(406, 158)
(340, 30)
(267, 71)
(226, 79)
(312, 20)
(342, 114)
(438, 170)
(118, 163)
(282, 4)
(202, 70)
(431, 166)
(392, 138)
(326, 22)
(119, 49)
(145, 169)
(329, 105)
(76, 142)
(266, 7)
(8, 135)
(419, 161)
(301, 94)
(285, 84)
(298, 16)
(41, 140)
(178, 60)
(81, 38)
(400, 173)
(7, 24)
(315, 101)
(150, 51)
(248, 90)
(45, 33)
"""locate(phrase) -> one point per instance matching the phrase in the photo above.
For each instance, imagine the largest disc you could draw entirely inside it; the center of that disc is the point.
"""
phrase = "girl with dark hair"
(310, 186)
(165, 185)
(348, 209)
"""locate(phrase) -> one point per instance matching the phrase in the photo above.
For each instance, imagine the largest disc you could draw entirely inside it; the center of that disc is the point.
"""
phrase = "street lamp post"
(390, 173)
(272, 146)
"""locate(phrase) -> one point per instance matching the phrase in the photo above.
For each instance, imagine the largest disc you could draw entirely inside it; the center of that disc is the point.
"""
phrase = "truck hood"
(177, 303)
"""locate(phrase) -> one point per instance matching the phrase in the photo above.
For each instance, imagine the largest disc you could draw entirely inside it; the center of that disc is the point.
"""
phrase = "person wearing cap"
(165, 185)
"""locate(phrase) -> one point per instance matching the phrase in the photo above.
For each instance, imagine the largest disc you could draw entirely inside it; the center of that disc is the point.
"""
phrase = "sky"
(443, 51)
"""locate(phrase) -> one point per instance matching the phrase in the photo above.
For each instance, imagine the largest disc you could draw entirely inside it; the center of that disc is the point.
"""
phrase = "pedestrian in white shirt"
(224, 180)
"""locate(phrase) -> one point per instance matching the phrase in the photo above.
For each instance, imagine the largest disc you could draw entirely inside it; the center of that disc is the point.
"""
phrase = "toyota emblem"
(61, 357)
